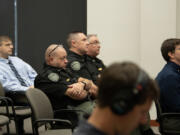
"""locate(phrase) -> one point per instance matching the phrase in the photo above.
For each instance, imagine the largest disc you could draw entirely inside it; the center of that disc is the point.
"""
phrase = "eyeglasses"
(54, 49)
(95, 43)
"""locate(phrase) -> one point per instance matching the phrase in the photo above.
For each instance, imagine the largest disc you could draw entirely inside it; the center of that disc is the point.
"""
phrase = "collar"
(89, 58)
(76, 55)
(174, 65)
(4, 60)
(52, 67)
(93, 59)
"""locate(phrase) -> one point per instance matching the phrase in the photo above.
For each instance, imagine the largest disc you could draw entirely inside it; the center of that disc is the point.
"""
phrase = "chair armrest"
(68, 110)
(44, 121)
(18, 97)
(51, 121)
(4, 100)
(9, 100)
(170, 115)
(11, 103)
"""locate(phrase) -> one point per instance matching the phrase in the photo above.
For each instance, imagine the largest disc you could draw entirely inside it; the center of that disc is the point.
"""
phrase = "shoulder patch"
(76, 65)
(53, 77)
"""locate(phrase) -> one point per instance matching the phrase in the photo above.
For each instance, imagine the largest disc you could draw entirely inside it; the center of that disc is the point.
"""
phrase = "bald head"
(51, 51)
(55, 56)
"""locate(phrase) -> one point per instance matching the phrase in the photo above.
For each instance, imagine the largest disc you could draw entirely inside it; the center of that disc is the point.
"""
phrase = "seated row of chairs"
(15, 113)
(42, 114)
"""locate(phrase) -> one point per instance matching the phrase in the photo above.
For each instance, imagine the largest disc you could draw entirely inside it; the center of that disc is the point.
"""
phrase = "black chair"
(16, 113)
(169, 122)
(4, 120)
(18, 97)
(42, 113)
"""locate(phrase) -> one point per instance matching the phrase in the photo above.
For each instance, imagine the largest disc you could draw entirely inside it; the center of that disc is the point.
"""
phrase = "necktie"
(16, 73)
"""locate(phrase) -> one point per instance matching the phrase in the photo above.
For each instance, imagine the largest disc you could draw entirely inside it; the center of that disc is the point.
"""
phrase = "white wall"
(133, 30)
(158, 22)
(117, 23)
(178, 18)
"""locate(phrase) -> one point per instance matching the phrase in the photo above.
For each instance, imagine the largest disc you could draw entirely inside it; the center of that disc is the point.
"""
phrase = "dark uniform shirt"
(86, 128)
(77, 65)
(169, 83)
(54, 82)
(95, 67)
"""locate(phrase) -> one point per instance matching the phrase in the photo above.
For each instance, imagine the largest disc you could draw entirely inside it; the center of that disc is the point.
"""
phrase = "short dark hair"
(71, 36)
(4, 38)
(169, 45)
(121, 77)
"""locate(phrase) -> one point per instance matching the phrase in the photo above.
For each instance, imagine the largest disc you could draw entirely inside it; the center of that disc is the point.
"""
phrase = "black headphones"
(124, 101)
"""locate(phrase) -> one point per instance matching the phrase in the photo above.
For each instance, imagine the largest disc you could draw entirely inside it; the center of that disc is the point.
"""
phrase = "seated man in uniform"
(78, 47)
(94, 64)
(63, 88)
(125, 96)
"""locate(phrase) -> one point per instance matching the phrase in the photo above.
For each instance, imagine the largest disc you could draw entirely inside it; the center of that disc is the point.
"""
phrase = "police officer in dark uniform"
(61, 86)
(94, 64)
(78, 45)
(77, 64)
(95, 67)
(55, 82)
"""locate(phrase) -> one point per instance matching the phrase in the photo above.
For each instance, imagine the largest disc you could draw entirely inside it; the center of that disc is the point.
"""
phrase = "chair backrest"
(169, 122)
(158, 109)
(40, 104)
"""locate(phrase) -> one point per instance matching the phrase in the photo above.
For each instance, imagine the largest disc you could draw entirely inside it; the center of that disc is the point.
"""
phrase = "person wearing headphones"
(125, 96)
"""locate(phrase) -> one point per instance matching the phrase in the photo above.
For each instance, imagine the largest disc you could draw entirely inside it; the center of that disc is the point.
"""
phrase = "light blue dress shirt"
(8, 78)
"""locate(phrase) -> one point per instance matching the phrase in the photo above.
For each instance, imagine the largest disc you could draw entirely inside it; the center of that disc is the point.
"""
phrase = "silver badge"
(53, 77)
(75, 65)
